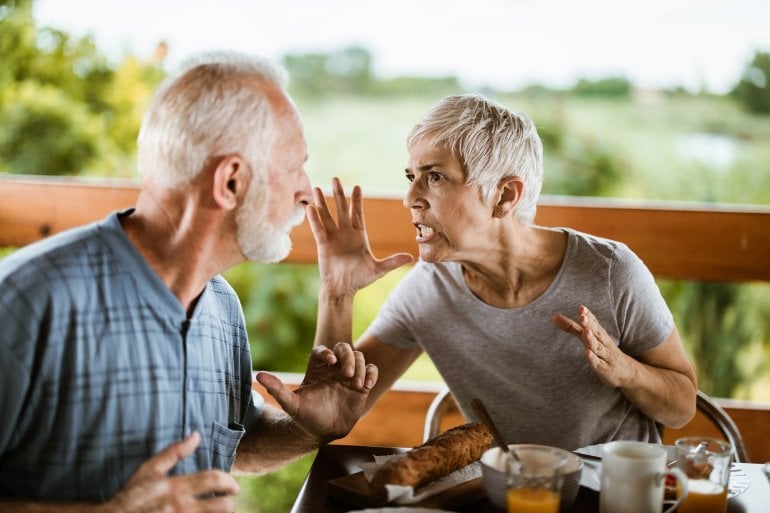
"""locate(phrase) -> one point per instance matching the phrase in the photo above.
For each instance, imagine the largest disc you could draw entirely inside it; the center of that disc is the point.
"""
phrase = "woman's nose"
(414, 197)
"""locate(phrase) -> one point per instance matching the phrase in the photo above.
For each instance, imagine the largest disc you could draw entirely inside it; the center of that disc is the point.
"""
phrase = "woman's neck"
(520, 267)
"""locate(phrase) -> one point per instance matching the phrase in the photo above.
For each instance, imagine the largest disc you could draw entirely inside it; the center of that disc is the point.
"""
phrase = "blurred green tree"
(753, 89)
(612, 87)
(348, 71)
(718, 322)
(280, 305)
(64, 110)
(344, 71)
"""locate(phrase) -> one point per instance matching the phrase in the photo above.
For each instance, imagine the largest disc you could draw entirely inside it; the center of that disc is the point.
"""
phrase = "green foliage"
(582, 168)
(63, 108)
(436, 87)
(274, 492)
(718, 322)
(280, 304)
(348, 71)
(576, 164)
(614, 87)
(43, 116)
(317, 74)
(753, 89)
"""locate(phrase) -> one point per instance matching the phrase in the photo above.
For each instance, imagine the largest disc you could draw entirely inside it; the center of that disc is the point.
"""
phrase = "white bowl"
(496, 480)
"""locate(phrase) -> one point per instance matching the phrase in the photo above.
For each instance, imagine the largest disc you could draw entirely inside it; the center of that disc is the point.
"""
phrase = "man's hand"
(345, 259)
(150, 489)
(613, 366)
(333, 395)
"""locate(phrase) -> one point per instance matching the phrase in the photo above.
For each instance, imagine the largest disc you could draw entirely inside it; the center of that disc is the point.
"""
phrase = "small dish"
(495, 477)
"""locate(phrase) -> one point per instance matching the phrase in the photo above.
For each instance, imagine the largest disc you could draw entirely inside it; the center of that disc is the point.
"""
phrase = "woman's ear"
(509, 192)
(231, 180)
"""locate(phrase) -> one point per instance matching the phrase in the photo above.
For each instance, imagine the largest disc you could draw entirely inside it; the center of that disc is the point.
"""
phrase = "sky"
(504, 44)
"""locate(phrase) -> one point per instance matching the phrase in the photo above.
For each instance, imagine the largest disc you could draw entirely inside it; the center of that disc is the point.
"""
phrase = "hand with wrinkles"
(345, 259)
(151, 490)
(613, 366)
(333, 394)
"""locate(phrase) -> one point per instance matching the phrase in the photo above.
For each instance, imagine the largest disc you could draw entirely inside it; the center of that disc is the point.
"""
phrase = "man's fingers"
(275, 387)
(322, 355)
(205, 483)
(372, 373)
(165, 460)
(360, 375)
(216, 505)
(344, 353)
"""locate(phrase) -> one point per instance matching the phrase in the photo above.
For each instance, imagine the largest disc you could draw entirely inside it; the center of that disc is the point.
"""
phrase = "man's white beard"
(258, 239)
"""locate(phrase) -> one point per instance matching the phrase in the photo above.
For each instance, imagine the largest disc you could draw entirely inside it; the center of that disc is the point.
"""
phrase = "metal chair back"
(444, 402)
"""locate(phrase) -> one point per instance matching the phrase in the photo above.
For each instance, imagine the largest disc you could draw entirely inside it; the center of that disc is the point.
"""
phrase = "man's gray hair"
(215, 106)
(491, 142)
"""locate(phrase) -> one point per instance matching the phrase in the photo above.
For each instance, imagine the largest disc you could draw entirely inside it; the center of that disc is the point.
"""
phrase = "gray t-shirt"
(101, 368)
(532, 376)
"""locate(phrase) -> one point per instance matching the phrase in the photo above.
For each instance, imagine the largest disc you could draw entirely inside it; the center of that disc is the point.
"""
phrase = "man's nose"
(304, 194)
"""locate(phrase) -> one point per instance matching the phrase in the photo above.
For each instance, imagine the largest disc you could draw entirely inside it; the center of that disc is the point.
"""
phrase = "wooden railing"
(676, 241)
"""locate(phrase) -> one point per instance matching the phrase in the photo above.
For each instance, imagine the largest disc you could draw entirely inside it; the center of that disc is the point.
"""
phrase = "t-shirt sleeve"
(395, 320)
(644, 319)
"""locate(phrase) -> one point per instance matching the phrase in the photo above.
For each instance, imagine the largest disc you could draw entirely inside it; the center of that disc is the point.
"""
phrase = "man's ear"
(231, 180)
(509, 192)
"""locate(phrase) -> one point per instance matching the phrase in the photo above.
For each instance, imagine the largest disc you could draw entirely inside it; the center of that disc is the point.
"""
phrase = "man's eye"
(434, 177)
(410, 178)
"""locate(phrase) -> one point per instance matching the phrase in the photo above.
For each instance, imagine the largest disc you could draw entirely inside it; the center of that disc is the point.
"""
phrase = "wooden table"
(333, 461)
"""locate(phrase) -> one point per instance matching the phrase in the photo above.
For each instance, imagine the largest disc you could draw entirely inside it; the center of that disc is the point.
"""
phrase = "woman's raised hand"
(345, 259)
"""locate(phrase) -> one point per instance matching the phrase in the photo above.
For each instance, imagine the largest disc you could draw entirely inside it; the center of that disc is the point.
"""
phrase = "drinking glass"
(706, 462)
(534, 480)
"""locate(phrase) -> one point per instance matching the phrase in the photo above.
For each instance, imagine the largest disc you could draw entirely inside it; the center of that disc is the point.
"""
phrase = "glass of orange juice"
(706, 462)
(534, 480)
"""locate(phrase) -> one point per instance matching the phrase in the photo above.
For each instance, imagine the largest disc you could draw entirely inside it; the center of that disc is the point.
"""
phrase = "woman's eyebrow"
(423, 168)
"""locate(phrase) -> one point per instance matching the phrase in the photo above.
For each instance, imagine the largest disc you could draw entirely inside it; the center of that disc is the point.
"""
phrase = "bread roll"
(436, 458)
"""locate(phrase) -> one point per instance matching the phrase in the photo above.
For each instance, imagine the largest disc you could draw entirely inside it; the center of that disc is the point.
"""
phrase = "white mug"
(633, 477)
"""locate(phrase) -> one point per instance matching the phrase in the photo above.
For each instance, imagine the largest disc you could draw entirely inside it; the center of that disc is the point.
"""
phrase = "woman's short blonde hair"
(491, 142)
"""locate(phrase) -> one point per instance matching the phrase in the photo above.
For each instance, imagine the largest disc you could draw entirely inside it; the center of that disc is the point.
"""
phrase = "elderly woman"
(493, 295)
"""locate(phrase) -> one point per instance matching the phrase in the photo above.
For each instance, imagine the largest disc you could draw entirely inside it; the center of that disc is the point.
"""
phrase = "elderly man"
(125, 380)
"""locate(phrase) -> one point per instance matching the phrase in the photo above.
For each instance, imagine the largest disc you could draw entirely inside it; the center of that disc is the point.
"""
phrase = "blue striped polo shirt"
(101, 367)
